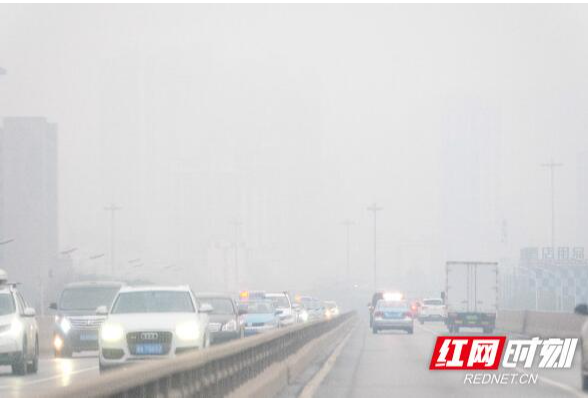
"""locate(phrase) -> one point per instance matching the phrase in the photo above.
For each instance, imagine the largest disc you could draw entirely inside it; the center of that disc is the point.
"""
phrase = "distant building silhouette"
(28, 202)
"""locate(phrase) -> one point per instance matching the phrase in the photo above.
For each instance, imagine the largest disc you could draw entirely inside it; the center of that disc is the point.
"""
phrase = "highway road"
(395, 364)
(53, 373)
(389, 364)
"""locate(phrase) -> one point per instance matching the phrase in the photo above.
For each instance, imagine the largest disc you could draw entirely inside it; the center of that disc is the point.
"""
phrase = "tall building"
(28, 202)
(471, 160)
(582, 190)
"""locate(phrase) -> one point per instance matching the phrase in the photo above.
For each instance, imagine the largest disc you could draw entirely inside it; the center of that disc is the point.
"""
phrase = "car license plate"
(88, 336)
(149, 349)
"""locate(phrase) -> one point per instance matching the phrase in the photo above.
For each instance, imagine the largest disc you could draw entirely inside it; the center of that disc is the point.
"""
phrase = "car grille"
(86, 323)
(141, 338)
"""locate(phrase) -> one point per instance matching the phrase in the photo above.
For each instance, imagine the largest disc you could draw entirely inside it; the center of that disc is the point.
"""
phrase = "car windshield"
(87, 297)
(433, 302)
(279, 301)
(265, 307)
(153, 301)
(220, 306)
(6, 304)
(392, 305)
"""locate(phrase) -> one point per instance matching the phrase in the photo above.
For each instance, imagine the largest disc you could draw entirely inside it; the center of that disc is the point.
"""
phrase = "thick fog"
(270, 125)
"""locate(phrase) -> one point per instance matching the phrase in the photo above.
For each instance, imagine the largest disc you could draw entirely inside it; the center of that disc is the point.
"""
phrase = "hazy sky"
(292, 118)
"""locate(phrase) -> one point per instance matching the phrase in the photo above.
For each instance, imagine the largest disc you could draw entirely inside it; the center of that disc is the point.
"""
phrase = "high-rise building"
(582, 220)
(28, 202)
(471, 160)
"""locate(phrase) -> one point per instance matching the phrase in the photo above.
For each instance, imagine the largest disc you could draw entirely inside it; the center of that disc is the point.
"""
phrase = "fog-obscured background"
(264, 127)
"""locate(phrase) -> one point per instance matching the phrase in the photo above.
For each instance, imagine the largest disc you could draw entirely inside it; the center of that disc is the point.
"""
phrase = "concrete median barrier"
(540, 323)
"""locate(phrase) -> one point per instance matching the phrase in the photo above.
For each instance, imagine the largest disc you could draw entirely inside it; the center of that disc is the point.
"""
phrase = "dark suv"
(76, 323)
(225, 322)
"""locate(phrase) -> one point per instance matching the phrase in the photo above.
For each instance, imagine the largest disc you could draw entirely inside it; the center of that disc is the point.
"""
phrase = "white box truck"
(471, 295)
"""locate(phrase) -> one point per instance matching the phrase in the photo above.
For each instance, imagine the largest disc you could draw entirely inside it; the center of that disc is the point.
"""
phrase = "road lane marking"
(49, 378)
(316, 381)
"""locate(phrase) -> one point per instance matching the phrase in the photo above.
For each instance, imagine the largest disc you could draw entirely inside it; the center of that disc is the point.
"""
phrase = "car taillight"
(378, 314)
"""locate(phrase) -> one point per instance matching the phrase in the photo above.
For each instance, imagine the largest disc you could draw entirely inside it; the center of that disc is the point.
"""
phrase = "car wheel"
(65, 352)
(374, 330)
(33, 367)
(422, 321)
(19, 367)
(410, 331)
(103, 368)
(585, 383)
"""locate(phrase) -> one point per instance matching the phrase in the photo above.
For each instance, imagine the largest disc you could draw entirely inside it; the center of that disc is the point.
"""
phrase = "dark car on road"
(225, 322)
(76, 323)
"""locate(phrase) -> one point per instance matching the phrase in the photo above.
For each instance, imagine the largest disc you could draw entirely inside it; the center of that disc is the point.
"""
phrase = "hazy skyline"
(293, 118)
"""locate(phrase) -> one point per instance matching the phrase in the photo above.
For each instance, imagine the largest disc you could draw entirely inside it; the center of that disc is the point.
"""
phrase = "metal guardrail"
(214, 372)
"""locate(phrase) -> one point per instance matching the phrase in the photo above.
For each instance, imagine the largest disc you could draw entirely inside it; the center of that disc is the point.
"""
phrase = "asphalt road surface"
(53, 373)
(389, 364)
(395, 364)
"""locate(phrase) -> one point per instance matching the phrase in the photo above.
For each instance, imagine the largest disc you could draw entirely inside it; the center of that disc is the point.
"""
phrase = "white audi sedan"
(151, 323)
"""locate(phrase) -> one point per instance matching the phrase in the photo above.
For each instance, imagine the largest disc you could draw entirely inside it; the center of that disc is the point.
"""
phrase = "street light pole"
(112, 208)
(237, 224)
(552, 166)
(347, 223)
(374, 209)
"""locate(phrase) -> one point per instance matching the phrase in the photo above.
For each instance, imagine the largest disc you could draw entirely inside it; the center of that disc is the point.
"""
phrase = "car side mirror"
(205, 308)
(581, 309)
(102, 310)
(29, 312)
(53, 306)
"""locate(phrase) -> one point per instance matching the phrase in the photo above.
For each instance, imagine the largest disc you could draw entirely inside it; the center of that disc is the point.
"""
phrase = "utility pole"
(112, 209)
(552, 166)
(237, 225)
(374, 209)
(347, 223)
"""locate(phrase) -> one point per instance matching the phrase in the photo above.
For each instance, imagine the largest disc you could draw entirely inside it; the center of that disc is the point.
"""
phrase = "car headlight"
(65, 325)
(230, 326)
(304, 316)
(111, 332)
(187, 330)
